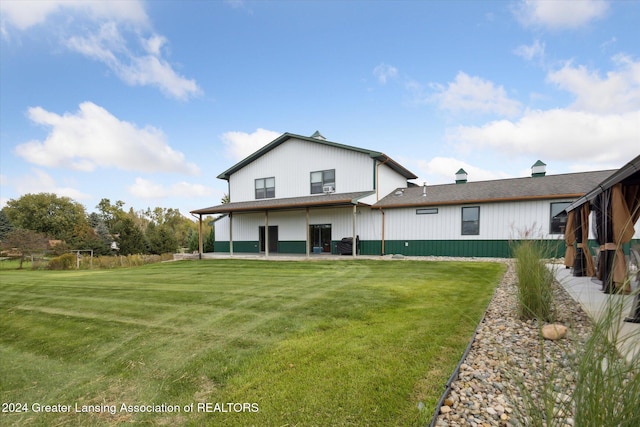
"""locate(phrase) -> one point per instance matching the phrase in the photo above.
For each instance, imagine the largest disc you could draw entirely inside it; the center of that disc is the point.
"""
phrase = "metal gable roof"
(571, 185)
(286, 136)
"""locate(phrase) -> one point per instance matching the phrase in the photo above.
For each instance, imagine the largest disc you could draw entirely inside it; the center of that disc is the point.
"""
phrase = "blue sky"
(147, 102)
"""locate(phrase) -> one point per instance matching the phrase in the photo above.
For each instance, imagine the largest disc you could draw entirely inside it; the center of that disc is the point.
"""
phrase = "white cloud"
(617, 92)
(24, 14)
(109, 46)
(558, 134)
(560, 14)
(443, 170)
(146, 189)
(38, 181)
(475, 94)
(93, 138)
(241, 144)
(112, 32)
(536, 50)
(384, 72)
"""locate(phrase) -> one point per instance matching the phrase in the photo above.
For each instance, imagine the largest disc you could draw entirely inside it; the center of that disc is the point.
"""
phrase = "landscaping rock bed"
(506, 356)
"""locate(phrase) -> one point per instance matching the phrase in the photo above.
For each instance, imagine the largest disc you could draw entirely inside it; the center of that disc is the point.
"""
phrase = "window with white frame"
(323, 181)
(265, 188)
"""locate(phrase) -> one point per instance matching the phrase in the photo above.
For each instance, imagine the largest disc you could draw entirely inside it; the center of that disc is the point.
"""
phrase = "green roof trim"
(461, 171)
(538, 163)
(286, 136)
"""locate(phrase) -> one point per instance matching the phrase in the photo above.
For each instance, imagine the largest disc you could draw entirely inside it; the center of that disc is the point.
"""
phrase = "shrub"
(63, 262)
(535, 294)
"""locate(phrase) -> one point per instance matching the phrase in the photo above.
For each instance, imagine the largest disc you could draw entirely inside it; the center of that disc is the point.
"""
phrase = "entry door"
(273, 238)
(321, 236)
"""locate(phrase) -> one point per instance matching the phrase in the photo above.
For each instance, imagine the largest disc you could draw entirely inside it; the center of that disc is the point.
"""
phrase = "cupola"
(538, 169)
(461, 176)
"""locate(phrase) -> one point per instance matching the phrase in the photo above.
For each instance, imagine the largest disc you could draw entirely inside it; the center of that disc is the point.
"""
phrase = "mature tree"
(129, 237)
(26, 242)
(85, 237)
(161, 239)
(5, 225)
(111, 214)
(209, 241)
(47, 213)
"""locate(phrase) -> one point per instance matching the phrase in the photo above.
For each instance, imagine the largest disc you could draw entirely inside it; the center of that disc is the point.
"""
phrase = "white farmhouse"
(308, 195)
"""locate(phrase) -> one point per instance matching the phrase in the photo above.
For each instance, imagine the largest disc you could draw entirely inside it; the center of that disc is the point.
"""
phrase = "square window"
(320, 179)
(265, 188)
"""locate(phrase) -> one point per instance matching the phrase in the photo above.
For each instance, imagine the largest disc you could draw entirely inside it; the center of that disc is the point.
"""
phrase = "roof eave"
(475, 201)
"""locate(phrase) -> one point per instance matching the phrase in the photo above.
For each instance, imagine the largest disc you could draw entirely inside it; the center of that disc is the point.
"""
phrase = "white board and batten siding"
(292, 224)
(291, 164)
(498, 221)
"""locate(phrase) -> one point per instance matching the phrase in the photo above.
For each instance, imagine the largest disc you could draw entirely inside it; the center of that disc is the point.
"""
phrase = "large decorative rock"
(554, 331)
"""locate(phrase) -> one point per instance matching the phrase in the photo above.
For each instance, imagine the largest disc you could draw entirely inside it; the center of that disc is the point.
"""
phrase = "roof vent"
(461, 177)
(424, 189)
(318, 135)
(538, 169)
(399, 192)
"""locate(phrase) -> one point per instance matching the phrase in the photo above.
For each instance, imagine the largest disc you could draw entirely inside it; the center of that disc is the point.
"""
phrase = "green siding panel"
(292, 247)
(238, 246)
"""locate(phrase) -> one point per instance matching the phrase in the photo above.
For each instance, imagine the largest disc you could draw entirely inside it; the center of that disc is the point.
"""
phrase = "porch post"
(382, 211)
(231, 233)
(266, 234)
(200, 237)
(354, 245)
(308, 237)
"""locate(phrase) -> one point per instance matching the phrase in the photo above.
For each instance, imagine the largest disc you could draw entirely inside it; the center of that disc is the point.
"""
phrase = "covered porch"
(299, 211)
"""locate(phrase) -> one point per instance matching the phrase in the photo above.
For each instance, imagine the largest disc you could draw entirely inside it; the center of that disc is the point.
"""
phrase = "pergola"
(616, 205)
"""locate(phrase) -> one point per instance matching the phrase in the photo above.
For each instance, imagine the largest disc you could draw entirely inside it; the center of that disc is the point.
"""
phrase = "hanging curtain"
(625, 205)
(570, 239)
(579, 264)
(585, 210)
(604, 235)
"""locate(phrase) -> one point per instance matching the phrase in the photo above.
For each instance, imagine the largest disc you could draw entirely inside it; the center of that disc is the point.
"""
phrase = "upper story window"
(558, 221)
(265, 188)
(323, 181)
(471, 220)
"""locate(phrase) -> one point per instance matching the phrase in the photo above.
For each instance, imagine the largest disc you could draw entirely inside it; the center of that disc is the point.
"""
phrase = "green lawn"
(299, 343)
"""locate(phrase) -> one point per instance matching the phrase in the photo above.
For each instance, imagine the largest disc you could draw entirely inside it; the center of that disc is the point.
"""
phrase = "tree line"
(45, 221)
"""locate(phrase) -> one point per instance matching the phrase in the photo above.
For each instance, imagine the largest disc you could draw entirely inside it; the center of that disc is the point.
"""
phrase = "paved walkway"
(588, 293)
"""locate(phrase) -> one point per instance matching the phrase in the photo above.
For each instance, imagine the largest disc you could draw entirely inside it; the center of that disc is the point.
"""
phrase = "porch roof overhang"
(291, 203)
(629, 174)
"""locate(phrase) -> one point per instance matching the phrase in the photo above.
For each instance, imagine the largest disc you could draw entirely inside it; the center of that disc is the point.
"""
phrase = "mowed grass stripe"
(313, 343)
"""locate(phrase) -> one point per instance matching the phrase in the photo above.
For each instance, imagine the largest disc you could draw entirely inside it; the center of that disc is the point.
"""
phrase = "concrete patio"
(588, 294)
